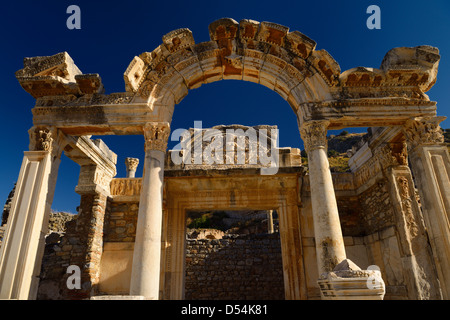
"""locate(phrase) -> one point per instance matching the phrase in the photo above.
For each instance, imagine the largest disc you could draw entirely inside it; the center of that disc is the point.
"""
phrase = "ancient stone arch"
(71, 105)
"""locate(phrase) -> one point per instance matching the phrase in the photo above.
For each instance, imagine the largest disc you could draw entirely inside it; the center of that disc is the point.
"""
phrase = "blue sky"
(113, 32)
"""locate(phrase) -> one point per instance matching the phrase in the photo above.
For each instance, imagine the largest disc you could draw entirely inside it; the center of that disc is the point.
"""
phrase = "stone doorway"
(232, 193)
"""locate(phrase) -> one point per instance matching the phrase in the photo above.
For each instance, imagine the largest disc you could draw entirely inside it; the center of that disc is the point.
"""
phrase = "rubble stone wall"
(245, 267)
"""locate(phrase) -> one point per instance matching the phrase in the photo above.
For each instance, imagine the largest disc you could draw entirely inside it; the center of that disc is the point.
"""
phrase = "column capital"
(132, 163)
(156, 135)
(314, 134)
(423, 131)
(46, 139)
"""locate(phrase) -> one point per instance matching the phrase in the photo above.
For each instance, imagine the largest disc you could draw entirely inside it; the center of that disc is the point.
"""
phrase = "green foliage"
(208, 220)
(333, 153)
(339, 164)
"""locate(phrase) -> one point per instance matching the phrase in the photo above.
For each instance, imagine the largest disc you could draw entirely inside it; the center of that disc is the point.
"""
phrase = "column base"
(117, 297)
(348, 282)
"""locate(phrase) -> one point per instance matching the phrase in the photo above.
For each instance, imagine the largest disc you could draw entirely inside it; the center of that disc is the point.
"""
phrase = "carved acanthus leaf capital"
(423, 131)
(41, 139)
(131, 163)
(47, 139)
(156, 135)
(314, 134)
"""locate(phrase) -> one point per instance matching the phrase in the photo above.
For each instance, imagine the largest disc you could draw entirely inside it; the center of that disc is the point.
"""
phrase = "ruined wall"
(377, 208)
(120, 222)
(245, 267)
(80, 245)
(56, 256)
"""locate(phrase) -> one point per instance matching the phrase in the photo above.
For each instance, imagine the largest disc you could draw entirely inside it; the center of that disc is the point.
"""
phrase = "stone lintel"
(113, 116)
(85, 151)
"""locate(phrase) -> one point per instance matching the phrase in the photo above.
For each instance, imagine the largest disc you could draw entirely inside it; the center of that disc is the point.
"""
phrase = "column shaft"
(330, 248)
(145, 277)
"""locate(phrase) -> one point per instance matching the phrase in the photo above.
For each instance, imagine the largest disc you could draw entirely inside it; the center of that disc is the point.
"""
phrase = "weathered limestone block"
(225, 28)
(56, 75)
(348, 282)
(59, 65)
(412, 66)
(89, 83)
(178, 39)
(248, 29)
(327, 67)
(134, 74)
(209, 57)
(300, 44)
(362, 77)
(272, 33)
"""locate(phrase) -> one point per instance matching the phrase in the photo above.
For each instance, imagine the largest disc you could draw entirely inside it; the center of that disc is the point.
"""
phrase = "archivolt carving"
(267, 53)
(270, 54)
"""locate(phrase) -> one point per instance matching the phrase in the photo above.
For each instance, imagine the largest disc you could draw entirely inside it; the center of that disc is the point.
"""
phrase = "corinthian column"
(430, 164)
(327, 228)
(145, 274)
(132, 164)
(23, 244)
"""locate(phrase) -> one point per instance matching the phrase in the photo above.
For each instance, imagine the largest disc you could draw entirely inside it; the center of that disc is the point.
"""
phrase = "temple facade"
(379, 231)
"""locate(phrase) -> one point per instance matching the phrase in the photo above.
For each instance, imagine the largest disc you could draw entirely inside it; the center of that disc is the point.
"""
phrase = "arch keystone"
(225, 28)
(178, 39)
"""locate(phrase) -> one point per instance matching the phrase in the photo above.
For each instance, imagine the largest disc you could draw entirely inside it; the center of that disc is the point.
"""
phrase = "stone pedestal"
(145, 276)
(348, 282)
(430, 162)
